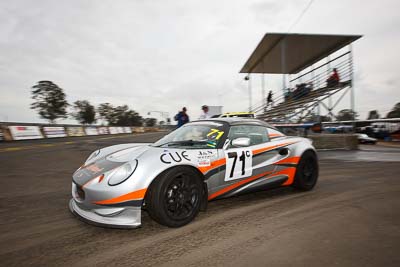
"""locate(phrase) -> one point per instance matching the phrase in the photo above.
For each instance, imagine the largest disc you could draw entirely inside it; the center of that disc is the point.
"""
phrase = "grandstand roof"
(289, 53)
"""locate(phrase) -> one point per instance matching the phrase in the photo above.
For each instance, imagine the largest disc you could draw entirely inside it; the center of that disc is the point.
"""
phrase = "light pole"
(247, 78)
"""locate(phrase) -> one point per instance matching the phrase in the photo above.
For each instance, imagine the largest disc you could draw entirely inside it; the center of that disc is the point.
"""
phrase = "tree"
(123, 116)
(373, 114)
(106, 112)
(50, 101)
(150, 122)
(85, 113)
(346, 115)
(395, 112)
(120, 115)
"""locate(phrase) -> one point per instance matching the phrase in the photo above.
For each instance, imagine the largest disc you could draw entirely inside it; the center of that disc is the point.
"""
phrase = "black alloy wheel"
(174, 197)
(181, 197)
(307, 171)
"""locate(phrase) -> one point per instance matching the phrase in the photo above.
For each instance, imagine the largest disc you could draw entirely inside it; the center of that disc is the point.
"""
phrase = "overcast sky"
(163, 55)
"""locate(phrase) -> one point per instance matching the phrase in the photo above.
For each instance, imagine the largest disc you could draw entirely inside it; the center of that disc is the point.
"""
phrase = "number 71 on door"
(238, 163)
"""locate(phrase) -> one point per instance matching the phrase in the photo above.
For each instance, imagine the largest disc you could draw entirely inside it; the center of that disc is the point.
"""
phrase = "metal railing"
(316, 78)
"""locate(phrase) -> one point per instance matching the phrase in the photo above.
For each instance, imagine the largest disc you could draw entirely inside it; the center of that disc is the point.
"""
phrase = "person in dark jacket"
(182, 117)
(269, 98)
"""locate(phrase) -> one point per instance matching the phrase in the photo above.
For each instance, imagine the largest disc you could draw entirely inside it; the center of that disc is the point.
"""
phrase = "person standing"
(182, 117)
(269, 98)
(205, 114)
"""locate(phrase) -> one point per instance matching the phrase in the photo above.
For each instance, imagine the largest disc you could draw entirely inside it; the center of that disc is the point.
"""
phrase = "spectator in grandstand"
(182, 117)
(269, 98)
(333, 80)
(205, 114)
(288, 94)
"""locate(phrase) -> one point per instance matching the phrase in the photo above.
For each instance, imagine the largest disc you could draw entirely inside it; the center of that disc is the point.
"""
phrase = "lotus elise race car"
(174, 178)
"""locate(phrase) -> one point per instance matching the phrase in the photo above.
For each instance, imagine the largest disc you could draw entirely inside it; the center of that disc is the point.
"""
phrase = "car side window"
(257, 134)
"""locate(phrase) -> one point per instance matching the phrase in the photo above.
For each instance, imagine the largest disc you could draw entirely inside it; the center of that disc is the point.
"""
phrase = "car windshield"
(194, 135)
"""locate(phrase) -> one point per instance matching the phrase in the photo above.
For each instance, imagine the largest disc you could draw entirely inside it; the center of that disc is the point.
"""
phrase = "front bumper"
(121, 217)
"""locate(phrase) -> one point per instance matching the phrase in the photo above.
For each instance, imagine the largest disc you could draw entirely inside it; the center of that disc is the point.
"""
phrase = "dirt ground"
(352, 217)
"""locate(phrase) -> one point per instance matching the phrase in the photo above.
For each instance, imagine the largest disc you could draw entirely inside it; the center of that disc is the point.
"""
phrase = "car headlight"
(93, 155)
(122, 173)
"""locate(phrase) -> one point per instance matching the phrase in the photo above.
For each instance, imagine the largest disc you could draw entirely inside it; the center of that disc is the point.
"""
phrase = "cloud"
(163, 55)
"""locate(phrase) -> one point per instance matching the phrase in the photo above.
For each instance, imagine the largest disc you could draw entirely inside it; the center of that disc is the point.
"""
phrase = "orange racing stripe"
(135, 195)
(290, 172)
(292, 160)
(100, 178)
(233, 186)
(273, 135)
(260, 150)
(214, 164)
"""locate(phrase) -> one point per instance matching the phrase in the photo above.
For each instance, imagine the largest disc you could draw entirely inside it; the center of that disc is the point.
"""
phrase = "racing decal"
(291, 160)
(169, 157)
(94, 168)
(213, 136)
(268, 148)
(213, 165)
(135, 195)
(99, 179)
(204, 158)
(236, 185)
(290, 172)
(275, 135)
(239, 163)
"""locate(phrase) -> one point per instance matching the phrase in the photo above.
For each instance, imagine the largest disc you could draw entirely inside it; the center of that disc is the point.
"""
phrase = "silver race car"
(174, 178)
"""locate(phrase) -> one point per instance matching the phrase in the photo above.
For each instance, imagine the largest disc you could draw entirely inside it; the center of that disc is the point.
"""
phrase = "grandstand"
(305, 62)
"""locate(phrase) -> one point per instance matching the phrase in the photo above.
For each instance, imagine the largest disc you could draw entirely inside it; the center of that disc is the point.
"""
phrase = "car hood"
(107, 160)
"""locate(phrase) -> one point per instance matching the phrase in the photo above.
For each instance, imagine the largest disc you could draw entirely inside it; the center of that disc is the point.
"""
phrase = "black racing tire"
(307, 172)
(175, 196)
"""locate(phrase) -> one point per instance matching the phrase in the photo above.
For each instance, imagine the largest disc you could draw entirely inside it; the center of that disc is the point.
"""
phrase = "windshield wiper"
(184, 143)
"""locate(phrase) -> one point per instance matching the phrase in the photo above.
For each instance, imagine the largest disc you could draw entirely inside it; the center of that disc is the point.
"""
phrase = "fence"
(27, 131)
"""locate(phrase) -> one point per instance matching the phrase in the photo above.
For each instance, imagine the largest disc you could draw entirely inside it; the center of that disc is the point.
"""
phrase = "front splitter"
(124, 218)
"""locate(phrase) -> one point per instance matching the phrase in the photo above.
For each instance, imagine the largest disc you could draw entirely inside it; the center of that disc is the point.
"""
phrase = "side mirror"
(241, 142)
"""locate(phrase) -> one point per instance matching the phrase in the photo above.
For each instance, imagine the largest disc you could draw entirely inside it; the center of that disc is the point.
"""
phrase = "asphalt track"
(352, 218)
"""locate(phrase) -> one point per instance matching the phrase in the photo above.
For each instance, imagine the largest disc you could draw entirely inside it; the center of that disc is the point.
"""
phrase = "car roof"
(238, 113)
(240, 121)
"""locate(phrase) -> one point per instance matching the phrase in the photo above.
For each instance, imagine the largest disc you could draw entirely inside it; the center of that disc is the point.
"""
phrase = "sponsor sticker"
(204, 158)
(171, 157)
(25, 132)
(54, 131)
(75, 131)
(91, 131)
(113, 130)
(103, 130)
(127, 130)
(139, 130)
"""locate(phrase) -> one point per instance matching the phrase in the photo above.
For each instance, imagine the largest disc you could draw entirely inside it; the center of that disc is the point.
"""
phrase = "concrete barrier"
(335, 141)
(10, 131)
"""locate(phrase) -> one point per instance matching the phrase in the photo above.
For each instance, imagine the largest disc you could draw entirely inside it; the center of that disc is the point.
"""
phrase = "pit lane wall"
(11, 131)
(334, 141)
